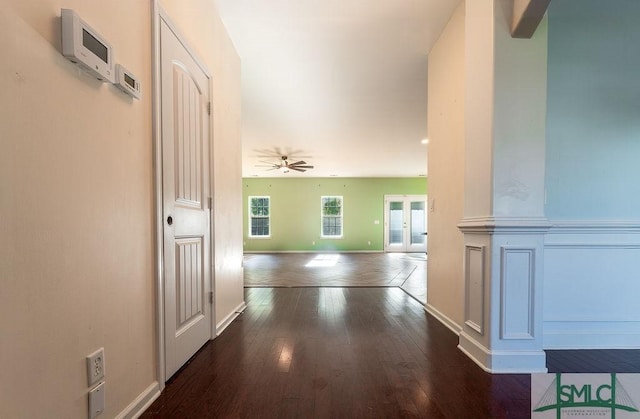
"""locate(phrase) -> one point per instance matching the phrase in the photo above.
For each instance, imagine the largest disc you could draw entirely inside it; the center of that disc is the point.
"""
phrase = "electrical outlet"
(96, 401)
(95, 366)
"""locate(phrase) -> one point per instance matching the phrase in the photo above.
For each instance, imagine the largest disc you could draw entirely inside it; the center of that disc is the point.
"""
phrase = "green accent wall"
(295, 211)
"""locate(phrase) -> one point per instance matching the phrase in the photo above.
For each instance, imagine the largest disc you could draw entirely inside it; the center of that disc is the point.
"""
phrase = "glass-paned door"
(396, 222)
(405, 223)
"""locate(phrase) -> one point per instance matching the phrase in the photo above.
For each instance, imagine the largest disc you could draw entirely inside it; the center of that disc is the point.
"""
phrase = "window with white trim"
(331, 214)
(259, 216)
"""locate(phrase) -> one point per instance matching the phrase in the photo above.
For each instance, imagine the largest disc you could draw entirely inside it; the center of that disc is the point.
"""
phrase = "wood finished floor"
(350, 353)
(405, 270)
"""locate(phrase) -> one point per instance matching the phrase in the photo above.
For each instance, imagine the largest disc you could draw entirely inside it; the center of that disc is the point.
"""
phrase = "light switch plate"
(96, 401)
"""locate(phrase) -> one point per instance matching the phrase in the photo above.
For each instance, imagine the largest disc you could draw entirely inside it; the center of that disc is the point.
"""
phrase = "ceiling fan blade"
(301, 167)
(297, 169)
(298, 163)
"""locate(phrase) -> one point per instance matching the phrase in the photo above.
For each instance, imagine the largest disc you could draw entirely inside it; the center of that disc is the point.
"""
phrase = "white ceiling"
(341, 84)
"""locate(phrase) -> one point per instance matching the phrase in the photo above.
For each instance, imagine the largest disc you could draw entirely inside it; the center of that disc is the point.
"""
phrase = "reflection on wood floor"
(405, 270)
(337, 353)
(351, 352)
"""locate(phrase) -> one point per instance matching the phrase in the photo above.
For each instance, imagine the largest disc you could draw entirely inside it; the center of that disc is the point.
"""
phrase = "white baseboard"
(444, 319)
(591, 335)
(141, 403)
(503, 362)
(230, 318)
(249, 252)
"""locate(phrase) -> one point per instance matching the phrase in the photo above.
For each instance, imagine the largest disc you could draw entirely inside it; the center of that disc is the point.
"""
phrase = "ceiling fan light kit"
(284, 166)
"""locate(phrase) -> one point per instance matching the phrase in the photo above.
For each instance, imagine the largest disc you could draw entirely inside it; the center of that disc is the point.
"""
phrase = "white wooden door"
(405, 223)
(185, 189)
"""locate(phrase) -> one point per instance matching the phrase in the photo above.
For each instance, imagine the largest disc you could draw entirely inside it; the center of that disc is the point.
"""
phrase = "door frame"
(385, 215)
(159, 14)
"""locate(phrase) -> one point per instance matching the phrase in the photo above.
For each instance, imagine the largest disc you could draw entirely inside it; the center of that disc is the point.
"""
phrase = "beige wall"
(76, 204)
(446, 124)
(519, 121)
(479, 79)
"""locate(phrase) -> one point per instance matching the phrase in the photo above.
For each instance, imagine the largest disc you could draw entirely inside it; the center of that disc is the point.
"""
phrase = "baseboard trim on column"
(502, 362)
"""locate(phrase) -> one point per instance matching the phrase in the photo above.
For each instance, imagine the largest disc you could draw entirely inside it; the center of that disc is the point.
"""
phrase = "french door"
(405, 223)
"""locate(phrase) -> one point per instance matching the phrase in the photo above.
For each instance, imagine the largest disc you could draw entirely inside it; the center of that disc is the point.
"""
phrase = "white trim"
(313, 251)
(141, 403)
(591, 334)
(230, 318)
(594, 246)
(504, 225)
(473, 350)
(594, 226)
(268, 217)
(595, 340)
(156, 11)
(595, 319)
(443, 318)
(183, 40)
(341, 236)
(502, 362)
(602, 234)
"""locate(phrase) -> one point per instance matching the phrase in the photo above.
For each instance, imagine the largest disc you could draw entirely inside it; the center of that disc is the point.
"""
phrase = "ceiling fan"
(284, 166)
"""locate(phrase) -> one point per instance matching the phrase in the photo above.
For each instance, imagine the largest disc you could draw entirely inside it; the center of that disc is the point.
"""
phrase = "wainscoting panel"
(517, 275)
(474, 287)
(592, 285)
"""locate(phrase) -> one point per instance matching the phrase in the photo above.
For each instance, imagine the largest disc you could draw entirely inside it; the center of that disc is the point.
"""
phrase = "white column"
(504, 223)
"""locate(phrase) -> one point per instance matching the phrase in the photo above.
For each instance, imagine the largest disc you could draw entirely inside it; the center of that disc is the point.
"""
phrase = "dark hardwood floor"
(350, 353)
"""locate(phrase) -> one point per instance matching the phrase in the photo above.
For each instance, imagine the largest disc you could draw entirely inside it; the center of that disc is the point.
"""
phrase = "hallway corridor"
(337, 352)
(350, 352)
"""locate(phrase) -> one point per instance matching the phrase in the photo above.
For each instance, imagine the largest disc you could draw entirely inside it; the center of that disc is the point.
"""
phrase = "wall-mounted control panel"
(84, 46)
(127, 82)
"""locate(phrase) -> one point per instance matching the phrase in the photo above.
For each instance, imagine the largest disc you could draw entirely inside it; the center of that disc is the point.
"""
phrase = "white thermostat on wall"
(82, 45)
(127, 82)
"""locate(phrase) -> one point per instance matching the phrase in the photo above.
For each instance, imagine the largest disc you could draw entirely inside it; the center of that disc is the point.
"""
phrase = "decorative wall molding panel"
(517, 275)
(474, 287)
(504, 263)
(591, 284)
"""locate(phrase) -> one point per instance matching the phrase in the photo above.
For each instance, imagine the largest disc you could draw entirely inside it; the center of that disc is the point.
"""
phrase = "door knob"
(169, 220)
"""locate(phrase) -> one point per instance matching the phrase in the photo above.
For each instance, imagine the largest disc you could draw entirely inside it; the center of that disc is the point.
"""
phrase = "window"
(259, 216)
(332, 216)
